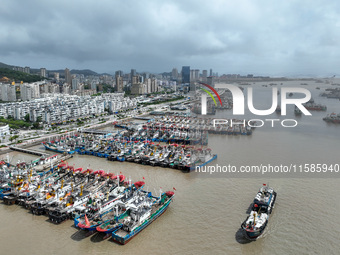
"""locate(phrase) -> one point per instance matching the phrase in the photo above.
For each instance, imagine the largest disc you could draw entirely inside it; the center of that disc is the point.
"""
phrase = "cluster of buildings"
(12, 92)
(188, 75)
(136, 83)
(58, 108)
(4, 129)
(42, 71)
(85, 85)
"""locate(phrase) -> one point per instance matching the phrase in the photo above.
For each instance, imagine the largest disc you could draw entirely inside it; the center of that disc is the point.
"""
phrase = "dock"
(29, 151)
(96, 132)
(142, 118)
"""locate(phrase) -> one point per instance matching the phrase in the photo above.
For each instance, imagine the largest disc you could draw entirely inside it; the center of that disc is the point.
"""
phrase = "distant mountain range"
(85, 72)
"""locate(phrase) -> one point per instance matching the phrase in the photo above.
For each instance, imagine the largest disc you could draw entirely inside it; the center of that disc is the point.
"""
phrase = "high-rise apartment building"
(119, 83)
(27, 69)
(56, 76)
(66, 88)
(43, 72)
(94, 85)
(75, 84)
(8, 93)
(192, 75)
(119, 73)
(174, 74)
(197, 75)
(132, 74)
(185, 74)
(68, 78)
(29, 91)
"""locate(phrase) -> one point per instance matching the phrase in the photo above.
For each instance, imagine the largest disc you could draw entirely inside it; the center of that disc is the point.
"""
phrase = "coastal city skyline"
(292, 38)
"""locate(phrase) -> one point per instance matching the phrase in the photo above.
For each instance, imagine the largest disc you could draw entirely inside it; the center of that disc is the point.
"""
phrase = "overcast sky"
(263, 37)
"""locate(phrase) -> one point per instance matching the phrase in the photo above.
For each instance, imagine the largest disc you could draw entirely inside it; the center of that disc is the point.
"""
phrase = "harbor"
(298, 196)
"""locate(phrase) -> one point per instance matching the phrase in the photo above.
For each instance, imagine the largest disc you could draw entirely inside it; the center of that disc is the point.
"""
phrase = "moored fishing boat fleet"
(177, 143)
(199, 127)
(182, 157)
(97, 201)
(205, 125)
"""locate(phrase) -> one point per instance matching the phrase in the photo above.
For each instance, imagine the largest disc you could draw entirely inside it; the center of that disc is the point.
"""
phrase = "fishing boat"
(203, 158)
(108, 226)
(262, 207)
(101, 209)
(332, 118)
(9, 198)
(141, 214)
(59, 149)
(60, 215)
(315, 107)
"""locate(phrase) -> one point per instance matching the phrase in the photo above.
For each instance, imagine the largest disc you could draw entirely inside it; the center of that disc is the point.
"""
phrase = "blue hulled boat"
(138, 217)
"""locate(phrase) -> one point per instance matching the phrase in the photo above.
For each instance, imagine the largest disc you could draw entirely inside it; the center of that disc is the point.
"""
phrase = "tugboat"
(257, 220)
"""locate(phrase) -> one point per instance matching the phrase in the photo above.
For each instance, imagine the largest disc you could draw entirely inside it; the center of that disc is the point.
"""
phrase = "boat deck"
(122, 233)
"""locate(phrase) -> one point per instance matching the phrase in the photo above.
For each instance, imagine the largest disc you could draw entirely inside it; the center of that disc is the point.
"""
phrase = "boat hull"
(10, 199)
(58, 151)
(128, 238)
(191, 168)
(57, 219)
(252, 234)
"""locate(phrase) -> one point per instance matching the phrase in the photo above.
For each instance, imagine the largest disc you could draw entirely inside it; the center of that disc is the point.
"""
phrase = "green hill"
(3, 65)
(19, 76)
(85, 72)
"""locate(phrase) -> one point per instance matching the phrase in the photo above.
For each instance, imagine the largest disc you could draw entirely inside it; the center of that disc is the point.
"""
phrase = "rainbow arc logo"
(204, 97)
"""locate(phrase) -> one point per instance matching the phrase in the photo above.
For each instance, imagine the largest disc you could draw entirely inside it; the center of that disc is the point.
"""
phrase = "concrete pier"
(29, 151)
(96, 132)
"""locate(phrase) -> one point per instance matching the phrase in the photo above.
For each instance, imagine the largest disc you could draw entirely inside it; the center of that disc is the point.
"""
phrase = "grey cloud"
(263, 37)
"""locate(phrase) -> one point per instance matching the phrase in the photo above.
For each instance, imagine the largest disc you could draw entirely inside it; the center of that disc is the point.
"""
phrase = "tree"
(13, 138)
(36, 125)
(27, 117)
